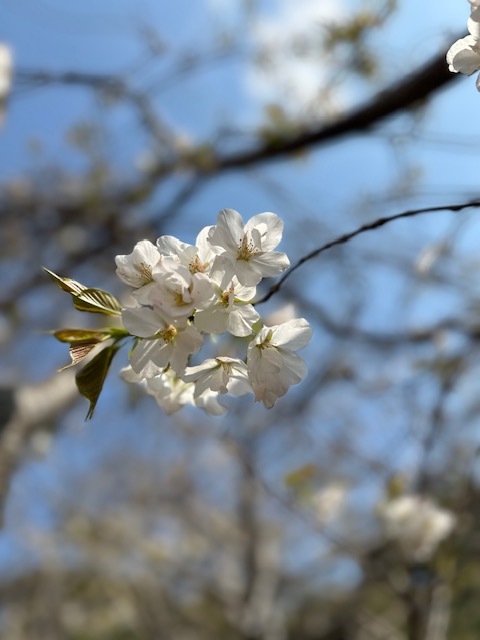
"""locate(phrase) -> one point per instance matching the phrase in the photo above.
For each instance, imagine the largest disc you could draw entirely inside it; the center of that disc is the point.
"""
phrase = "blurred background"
(347, 512)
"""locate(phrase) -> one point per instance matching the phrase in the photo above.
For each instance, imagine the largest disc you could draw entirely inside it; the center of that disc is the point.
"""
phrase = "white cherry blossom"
(136, 268)
(170, 391)
(177, 291)
(464, 55)
(250, 247)
(198, 258)
(165, 341)
(220, 374)
(273, 365)
(229, 309)
(208, 401)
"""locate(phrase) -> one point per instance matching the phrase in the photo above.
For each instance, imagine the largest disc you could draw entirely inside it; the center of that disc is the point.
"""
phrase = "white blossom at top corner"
(176, 291)
(464, 55)
(473, 22)
(198, 258)
(6, 73)
(229, 309)
(273, 365)
(221, 374)
(249, 247)
(135, 269)
(416, 524)
(165, 341)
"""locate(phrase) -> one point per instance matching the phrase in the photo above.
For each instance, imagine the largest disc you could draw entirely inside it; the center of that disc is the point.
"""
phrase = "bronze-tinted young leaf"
(80, 350)
(80, 335)
(87, 298)
(91, 378)
(67, 284)
(97, 301)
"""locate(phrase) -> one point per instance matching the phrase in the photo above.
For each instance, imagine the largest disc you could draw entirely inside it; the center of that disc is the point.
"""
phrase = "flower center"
(196, 266)
(169, 334)
(145, 271)
(226, 366)
(246, 249)
(267, 342)
(225, 297)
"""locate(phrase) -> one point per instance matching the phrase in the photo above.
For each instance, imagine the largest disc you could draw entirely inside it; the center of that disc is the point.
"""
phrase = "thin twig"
(343, 239)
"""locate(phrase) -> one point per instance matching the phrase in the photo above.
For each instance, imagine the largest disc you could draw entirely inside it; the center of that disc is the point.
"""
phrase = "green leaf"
(80, 335)
(86, 298)
(67, 284)
(97, 301)
(91, 378)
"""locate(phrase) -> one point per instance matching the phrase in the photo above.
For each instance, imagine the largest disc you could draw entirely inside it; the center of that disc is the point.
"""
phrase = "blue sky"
(55, 35)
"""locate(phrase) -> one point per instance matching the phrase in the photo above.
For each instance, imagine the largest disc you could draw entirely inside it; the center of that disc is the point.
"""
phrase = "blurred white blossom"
(6, 72)
(328, 501)
(416, 524)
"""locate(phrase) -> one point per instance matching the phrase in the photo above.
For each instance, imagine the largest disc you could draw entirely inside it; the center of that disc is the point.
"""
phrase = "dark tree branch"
(376, 224)
(407, 93)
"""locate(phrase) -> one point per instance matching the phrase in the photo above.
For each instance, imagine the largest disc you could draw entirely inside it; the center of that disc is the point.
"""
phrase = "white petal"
(271, 229)
(135, 269)
(170, 246)
(212, 319)
(293, 335)
(150, 357)
(462, 57)
(270, 264)
(294, 365)
(241, 320)
(228, 231)
(209, 402)
(474, 23)
(187, 342)
(246, 274)
(142, 321)
(193, 373)
(170, 392)
(129, 375)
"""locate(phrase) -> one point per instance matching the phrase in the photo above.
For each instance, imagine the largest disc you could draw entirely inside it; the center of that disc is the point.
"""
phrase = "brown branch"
(404, 94)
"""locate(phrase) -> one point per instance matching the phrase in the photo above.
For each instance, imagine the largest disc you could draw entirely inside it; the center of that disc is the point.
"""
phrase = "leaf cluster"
(91, 378)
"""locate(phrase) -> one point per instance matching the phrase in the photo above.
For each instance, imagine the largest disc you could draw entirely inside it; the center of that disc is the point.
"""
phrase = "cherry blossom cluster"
(464, 55)
(183, 293)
